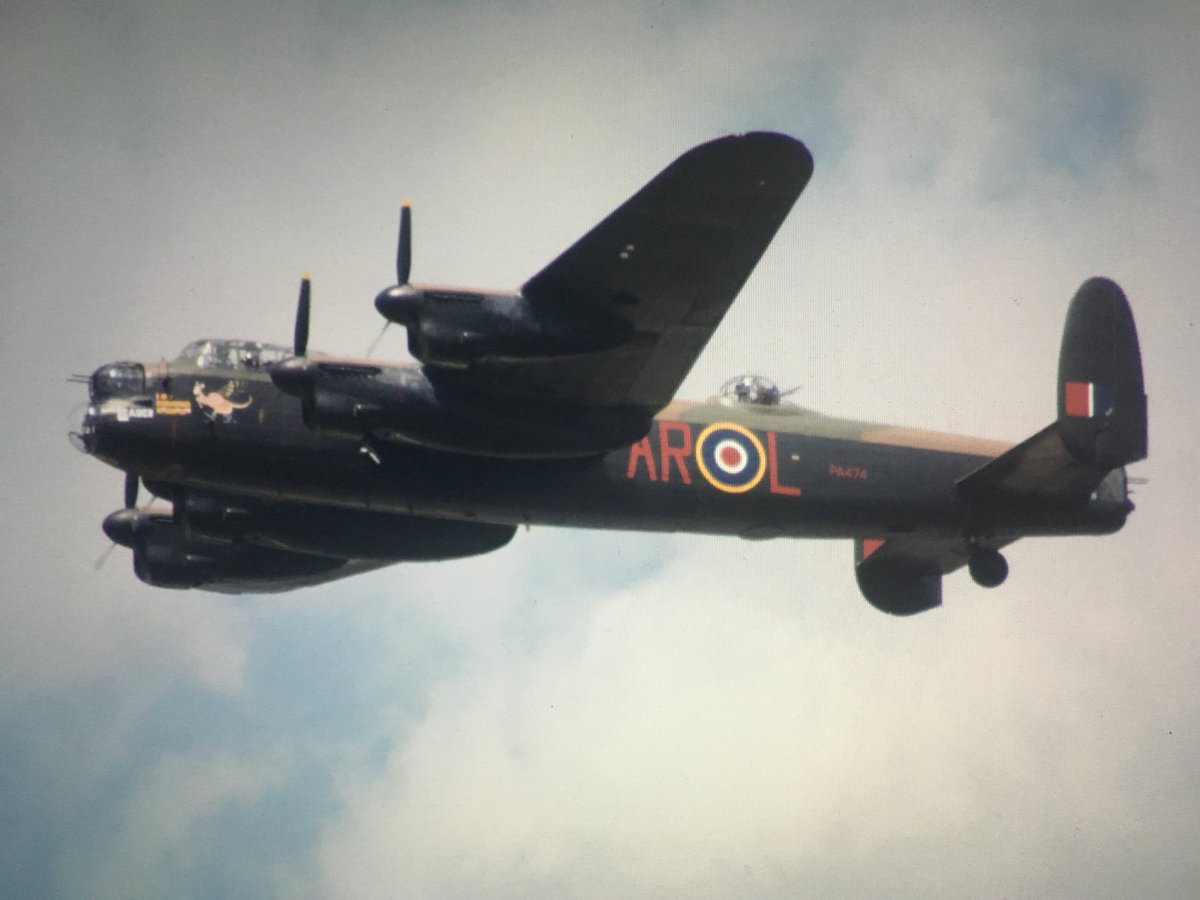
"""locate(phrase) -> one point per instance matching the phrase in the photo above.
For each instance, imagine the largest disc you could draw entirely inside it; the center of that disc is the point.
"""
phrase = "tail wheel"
(988, 567)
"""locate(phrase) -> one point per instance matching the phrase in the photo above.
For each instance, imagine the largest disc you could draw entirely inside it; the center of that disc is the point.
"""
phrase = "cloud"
(711, 733)
(158, 841)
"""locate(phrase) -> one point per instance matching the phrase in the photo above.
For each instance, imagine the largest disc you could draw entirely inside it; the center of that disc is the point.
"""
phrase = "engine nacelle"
(163, 556)
(236, 544)
(335, 531)
(404, 405)
(453, 328)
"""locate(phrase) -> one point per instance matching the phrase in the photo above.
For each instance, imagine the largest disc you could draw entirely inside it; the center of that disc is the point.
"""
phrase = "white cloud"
(714, 731)
(159, 836)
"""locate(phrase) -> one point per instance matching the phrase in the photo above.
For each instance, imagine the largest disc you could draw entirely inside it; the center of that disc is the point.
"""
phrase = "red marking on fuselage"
(773, 470)
(857, 473)
(679, 455)
(641, 450)
(676, 446)
(870, 545)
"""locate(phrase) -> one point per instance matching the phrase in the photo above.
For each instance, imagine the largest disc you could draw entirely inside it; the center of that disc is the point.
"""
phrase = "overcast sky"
(601, 714)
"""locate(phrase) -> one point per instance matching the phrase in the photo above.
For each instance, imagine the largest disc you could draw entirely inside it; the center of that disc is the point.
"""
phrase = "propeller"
(297, 375)
(303, 308)
(378, 338)
(401, 302)
(403, 266)
(292, 374)
(404, 245)
(122, 526)
(131, 490)
(104, 555)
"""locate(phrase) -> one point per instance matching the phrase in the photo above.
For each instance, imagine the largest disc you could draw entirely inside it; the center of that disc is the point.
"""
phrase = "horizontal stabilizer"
(1040, 466)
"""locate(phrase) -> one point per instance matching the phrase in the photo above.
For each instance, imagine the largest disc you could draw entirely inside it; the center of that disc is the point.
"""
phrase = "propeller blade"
(103, 557)
(131, 490)
(378, 338)
(404, 247)
(303, 306)
(179, 512)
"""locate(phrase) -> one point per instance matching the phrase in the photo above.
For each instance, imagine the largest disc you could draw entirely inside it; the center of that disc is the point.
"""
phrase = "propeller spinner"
(122, 526)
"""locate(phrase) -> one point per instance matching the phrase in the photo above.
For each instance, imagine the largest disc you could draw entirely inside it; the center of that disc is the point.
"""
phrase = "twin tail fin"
(1101, 422)
(1101, 395)
(1101, 427)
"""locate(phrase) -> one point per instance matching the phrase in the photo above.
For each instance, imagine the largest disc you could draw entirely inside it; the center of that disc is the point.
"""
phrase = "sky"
(597, 714)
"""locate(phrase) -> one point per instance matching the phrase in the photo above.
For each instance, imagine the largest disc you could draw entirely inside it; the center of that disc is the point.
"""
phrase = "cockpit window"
(751, 389)
(247, 355)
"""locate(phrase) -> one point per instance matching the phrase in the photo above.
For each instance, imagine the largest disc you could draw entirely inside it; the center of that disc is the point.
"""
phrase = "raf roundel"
(730, 457)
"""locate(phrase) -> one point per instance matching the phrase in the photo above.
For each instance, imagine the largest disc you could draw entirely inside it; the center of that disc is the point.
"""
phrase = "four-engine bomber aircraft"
(554, 405)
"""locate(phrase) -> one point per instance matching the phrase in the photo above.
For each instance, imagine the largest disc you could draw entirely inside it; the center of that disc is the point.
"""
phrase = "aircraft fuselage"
(717, 467)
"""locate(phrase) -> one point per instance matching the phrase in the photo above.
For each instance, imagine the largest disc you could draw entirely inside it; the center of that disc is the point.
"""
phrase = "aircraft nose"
(84, 440)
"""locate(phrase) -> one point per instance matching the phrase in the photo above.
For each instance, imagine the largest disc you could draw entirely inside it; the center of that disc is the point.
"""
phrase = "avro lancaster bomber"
(276, 467)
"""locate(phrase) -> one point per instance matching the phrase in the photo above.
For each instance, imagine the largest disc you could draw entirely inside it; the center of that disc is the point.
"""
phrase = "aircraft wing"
(668, 262)
(237, 544)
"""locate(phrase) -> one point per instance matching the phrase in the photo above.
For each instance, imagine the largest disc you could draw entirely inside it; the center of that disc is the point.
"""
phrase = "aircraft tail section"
(1101, 427)
(1101, 395)
(1101, 422)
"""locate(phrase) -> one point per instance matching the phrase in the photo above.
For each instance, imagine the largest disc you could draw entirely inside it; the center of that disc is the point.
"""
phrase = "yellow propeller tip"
(406, 202)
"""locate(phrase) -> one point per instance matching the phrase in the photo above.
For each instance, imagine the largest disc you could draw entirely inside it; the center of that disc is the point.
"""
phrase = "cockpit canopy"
(221, 354)
(754, 389)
